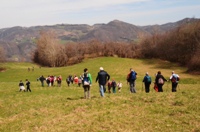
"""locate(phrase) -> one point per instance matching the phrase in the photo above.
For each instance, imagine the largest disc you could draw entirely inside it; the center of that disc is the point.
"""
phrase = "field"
(64, 109)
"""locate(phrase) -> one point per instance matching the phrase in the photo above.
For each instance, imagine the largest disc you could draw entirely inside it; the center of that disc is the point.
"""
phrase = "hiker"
(59, 81)
(48, 81)
(119, 85)
(68, 80)
(131, 80)
(51, 80)
(109, 86)
(42, 79)
(28, 85)
(174, 79)
(113, 84)
(160, 80)
(102, 78)
(147, 82)
(21, 86)
(71, 79)
(80, 81)
(87, 81)
(75, 79)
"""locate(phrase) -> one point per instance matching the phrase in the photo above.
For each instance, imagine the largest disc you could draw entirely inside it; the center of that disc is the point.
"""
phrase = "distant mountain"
(168, 26)
(19, 42)
(115, 31)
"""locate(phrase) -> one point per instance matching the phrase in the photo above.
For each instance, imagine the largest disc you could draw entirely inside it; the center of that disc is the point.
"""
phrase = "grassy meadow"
(63, 108)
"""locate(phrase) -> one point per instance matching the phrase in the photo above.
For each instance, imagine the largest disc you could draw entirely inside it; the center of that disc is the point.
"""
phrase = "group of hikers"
(158, 84)
(50, 80)
(22, 88)
(103, 79)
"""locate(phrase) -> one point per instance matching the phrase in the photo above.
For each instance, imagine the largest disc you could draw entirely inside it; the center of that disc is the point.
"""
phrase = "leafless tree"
(2, 55)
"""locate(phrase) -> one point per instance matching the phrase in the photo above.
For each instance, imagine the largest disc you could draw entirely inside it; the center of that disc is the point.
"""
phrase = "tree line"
(181, 45)
(50, 52)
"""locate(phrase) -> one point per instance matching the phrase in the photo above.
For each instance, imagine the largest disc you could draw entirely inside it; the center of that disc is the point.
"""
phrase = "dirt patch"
(2, 69)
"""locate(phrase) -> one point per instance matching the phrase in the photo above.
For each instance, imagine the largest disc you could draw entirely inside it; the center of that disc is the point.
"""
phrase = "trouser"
(86, 91)
(22, 90)
(68, 83)
(114, 89)
(174, 86)
(109, 89)
(119, 89)
(160, 89)
(28, 89)
(147, 89)
(132, 86)
(42, 83)
(101, 90)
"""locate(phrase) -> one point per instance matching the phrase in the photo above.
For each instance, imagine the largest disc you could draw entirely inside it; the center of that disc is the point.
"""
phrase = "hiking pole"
(167, 86)
(179, 87)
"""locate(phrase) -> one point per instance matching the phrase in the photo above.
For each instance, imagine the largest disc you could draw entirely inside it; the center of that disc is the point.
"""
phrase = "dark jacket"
(102, 77)
(160, 76)
(28, 84)
(21, 84)
(42, 78)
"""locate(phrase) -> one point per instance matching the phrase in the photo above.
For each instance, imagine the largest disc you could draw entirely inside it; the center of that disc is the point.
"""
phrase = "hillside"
(64, 109)
(19, 42)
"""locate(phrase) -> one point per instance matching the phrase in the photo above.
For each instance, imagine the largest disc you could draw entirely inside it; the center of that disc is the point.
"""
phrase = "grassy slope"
(63, 109)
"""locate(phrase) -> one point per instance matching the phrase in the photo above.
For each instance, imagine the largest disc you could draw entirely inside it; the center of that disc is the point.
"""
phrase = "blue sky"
(138, 12)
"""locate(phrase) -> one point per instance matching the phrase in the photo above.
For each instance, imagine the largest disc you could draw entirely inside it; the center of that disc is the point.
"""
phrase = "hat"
(101, 68)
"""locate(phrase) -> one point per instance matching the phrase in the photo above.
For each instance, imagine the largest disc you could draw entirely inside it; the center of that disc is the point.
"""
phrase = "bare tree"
(49, 52)
(2, 55)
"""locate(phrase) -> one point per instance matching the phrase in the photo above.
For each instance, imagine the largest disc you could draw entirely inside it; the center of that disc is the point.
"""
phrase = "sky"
(27, 13)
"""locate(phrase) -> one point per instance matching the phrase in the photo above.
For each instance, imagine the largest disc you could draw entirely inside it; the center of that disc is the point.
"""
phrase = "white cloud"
(45, 12)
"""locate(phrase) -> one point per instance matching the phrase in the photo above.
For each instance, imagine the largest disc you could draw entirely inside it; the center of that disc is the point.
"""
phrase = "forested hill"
(19, 42)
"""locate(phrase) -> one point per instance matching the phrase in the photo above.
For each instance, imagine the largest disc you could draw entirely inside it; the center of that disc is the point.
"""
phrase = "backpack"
(86, 80)
(175, 79)
(128, 78)
(160, 81)
(133, 75)
(178, 78)
(114, 84)
(148, 79)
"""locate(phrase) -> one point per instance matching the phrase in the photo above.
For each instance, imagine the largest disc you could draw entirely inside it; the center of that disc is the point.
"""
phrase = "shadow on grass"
(81, 98)
(156, 63)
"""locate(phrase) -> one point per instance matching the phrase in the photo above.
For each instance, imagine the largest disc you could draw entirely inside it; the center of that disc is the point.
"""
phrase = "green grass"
(64, 109)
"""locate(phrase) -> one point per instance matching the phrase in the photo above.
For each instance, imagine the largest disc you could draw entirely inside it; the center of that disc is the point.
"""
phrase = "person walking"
(80, 81)
(87, 81)
(119, 85)
(21, 86)
(109, 86)
(147, 82)
(113, 84)
(102, 78)
(160, 80)
(131, 80)
(174, 79)
(68, 80)
(28, 85)
(42, 79)
(59, 81)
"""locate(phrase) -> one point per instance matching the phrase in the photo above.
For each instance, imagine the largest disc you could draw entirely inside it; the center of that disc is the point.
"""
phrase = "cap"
(101, 68)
